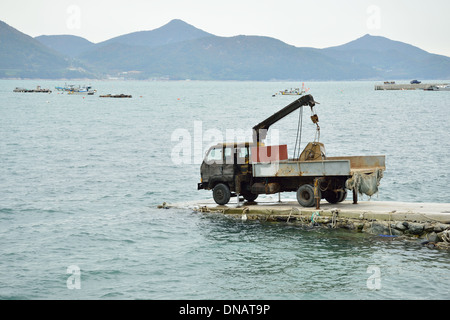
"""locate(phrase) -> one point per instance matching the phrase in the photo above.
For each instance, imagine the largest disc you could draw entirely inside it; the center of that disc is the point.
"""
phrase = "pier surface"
(377, 210)
(428, 222)
(407, 86)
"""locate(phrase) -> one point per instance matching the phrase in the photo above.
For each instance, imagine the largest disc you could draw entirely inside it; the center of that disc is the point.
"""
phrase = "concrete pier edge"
(428, 222)
(407, 86)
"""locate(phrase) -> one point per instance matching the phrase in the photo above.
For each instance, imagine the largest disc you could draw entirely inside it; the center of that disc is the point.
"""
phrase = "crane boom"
(260, 130)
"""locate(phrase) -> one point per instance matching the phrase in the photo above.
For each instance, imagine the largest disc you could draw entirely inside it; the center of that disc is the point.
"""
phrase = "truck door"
(229, 164)
(212, 166)
(243, 160)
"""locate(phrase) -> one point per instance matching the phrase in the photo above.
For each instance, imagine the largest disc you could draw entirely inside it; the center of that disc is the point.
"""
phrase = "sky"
(318, 23)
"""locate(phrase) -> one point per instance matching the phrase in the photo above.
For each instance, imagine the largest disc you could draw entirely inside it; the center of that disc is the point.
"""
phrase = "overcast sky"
(318, 23)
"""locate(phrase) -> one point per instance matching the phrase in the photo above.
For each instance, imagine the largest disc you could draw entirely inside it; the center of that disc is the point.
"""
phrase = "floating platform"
(427, 221)
(407, 86)
(37, 90)
(116, 96)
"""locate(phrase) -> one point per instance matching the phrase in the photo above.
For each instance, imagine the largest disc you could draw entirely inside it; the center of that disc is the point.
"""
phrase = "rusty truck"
(249, 169)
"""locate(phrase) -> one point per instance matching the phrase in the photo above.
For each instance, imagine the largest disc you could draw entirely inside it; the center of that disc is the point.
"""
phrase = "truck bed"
(332, 166)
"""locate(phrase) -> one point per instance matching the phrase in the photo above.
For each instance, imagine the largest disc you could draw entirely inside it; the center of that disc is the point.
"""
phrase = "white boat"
(66, 87)
(72, 89)
(292, 92)
(82, 90)
(438, 88)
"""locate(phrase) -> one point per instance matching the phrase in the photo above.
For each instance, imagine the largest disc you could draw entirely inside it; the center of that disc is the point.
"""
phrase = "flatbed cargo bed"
(334, 166)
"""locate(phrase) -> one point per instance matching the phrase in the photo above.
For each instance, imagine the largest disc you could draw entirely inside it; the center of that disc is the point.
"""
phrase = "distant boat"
(66, 87)
(292, 92)
(82, 90)
(72, 89)
(415, 82)
(389, 82)
(438, 88)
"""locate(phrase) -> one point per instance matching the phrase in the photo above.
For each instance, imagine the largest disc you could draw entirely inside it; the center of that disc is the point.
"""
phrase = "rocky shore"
(426, 223)
(430, 225)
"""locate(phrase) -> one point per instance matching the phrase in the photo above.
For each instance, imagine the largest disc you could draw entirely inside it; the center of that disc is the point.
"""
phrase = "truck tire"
(305, 195)
(221, 194)
(250, 197)
(343, 196)
(335, 196)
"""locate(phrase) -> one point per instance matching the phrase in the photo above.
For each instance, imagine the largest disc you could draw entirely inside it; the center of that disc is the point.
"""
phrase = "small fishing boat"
(292, 92)
(82, 90)
(72, 89)
(438, 88)
(415, 82)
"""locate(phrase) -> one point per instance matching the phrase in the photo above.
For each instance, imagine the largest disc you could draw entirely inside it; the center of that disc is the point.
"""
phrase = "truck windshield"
(215, 155)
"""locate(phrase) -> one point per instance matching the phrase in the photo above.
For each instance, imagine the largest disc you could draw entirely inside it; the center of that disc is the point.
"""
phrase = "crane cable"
(298, 139)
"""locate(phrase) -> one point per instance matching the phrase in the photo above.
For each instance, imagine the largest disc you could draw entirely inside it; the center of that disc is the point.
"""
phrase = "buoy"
(163, 206)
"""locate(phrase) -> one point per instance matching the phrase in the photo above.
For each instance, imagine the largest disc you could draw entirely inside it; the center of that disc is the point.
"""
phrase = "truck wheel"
(335, 196)
(305, 195)
(343, 196)
(250, 196)
(221, 194)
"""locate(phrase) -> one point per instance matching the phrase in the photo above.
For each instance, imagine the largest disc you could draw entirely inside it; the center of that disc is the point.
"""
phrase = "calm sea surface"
(80, 179)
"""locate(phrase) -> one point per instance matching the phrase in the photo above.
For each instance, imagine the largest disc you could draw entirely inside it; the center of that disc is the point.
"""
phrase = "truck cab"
(223, 165)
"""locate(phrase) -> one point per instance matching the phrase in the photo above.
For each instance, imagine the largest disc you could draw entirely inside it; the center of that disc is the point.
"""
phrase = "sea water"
(81, 178)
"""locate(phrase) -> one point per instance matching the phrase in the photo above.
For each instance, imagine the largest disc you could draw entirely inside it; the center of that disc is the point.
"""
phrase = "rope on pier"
(446, 236)
(314, 216)
(335, 213)
(289, 217)
(244, 213)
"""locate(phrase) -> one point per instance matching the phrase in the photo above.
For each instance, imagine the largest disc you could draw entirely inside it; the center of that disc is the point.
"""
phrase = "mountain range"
(179, 50)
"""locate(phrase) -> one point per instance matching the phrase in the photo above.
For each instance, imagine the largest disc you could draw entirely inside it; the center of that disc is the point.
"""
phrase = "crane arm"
(260, 130)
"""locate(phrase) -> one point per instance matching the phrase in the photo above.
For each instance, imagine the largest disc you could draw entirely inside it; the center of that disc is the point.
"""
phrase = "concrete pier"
(420, 86)
(427, 221)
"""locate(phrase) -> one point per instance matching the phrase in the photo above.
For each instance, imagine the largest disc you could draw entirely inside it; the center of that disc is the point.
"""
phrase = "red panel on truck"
(269, 153)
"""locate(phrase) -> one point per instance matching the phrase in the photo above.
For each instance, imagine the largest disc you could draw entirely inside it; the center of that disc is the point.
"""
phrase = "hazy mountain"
(224, 58)
(172, 32)
(391, 59)
(23, 56)
(67, 45)
(179, 50)
(260, 58)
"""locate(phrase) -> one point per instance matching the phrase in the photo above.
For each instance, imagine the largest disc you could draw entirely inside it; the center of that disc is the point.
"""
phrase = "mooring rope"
(334, 218)
(446, 236)
(314, 216)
